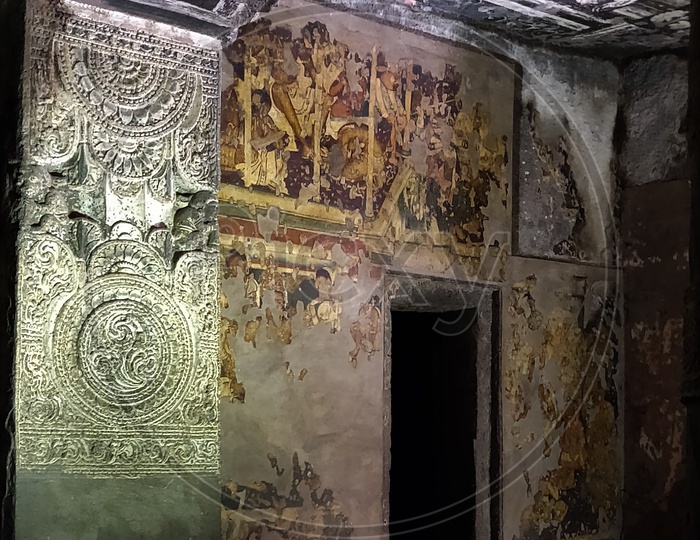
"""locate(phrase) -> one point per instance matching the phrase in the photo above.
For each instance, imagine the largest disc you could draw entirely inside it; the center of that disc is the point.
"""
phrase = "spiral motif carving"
(124, 351)
(121, 354)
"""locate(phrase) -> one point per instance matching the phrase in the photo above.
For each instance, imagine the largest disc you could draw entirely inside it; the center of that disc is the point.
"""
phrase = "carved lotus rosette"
(123, 351)
(132, 160)
(127, 257)
(110, 342)
(125, 94)
(145, 108)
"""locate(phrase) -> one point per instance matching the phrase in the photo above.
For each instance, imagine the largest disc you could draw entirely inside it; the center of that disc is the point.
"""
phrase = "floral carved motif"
(117, 360)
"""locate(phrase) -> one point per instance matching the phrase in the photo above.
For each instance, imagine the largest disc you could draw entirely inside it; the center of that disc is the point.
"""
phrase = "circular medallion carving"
(129, 95)
(123, 351)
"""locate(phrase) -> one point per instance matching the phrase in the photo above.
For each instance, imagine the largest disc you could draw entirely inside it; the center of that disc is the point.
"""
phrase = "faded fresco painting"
(562, 393)
(302, 398)
(367, 130)
(341, 140)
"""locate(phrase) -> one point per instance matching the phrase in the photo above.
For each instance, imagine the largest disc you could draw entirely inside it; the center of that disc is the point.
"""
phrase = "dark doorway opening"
(433, 425)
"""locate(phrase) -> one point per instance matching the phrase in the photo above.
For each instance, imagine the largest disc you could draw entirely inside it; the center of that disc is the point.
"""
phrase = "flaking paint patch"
(306, 346)
(230, 386)
(562, 357)
(274, 285)
(562, 191)
(307, 510)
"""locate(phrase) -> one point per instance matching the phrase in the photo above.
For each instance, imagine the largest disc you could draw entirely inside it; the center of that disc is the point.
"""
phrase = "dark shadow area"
(433, 415)
(11, 55)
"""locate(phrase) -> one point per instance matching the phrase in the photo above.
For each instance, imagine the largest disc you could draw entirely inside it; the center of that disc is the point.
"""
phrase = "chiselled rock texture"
(118, 318)
(605, 26)
(566, 186)
(654, 111)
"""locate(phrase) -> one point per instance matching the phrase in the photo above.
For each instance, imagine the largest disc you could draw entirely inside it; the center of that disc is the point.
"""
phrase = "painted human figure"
(234, 261)
(268, 142)
(251, 331)
(253, 293)
(366, 331)
(392, 110)
(320, 64)
(323, 308)
(234, 390)
(273, 280)
(293, 98)
(353, 141)
(232, 148)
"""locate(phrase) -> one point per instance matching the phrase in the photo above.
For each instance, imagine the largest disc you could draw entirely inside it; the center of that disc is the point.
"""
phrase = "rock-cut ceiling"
(612, 27)
(626, 25)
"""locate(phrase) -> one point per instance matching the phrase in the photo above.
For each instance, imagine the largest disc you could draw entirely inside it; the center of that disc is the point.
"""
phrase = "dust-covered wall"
(486, 163)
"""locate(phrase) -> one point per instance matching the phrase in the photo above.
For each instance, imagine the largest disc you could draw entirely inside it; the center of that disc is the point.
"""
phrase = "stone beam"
(210, 17)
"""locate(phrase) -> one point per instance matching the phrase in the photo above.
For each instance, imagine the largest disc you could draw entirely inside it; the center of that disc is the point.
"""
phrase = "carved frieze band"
(117, 341)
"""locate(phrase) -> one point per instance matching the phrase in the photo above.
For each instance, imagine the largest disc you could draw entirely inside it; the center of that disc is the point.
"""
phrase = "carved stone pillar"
(117, 318)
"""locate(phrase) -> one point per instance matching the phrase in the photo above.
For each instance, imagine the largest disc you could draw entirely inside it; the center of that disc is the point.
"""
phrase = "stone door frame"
(414, 292)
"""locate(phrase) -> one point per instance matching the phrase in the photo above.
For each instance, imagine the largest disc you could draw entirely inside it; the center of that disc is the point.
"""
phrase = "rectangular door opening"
(433, 425)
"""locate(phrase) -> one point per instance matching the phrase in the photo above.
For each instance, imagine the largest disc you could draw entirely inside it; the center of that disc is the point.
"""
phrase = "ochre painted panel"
(361, 129)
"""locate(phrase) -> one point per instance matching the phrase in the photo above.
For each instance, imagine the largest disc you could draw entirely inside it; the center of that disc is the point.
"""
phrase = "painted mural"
(359, 129)
(561, 402)
(349, 147)
(306, 510)
(301, 371)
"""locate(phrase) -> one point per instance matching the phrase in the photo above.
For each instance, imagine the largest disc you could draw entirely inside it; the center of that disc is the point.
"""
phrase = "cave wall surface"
(654, 251)
(503, 163)
(350, 149)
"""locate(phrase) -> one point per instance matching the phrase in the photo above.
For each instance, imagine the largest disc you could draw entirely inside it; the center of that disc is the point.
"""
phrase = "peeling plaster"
(569, 335)
(251, 510)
